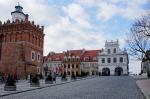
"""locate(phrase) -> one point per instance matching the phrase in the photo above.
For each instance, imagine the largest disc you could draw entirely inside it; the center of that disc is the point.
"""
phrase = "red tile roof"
(90, 54)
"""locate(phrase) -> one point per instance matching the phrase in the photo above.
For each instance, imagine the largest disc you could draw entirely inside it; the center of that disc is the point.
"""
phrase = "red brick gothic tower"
(21, 45)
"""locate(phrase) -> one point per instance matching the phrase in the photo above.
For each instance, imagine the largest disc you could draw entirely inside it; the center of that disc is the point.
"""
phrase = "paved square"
(111, 87)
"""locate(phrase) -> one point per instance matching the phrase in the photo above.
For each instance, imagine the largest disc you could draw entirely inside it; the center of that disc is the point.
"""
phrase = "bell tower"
(18, 13)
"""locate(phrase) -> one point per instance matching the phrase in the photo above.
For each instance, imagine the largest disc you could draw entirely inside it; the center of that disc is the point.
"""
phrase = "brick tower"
(21, 45)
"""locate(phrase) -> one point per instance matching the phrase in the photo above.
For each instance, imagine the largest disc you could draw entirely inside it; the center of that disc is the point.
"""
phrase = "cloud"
(132, 10)
(107, 9)
(77, 14)
(87, 2)
(66, 35)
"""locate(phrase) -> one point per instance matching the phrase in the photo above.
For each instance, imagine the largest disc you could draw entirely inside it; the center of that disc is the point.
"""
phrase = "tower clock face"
(18, 16)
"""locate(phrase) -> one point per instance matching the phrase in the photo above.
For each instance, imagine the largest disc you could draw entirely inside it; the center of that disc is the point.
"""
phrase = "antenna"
(18, 3)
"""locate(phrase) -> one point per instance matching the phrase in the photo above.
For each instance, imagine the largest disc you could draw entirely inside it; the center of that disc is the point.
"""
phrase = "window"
(76, 66)
(64, 66)
(77, 58)
(109, 60)
(77, 73)
(108, 51)
(114, 50)
(72, 65)
(32, 55)
(68, 59)
(121, 60)
(103, 60)
(68, 72)
(38, 57)
(72, 59)
(68, 65)
(114, 60)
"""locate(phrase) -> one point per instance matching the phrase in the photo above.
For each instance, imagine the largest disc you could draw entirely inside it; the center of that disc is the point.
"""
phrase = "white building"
(112, 60)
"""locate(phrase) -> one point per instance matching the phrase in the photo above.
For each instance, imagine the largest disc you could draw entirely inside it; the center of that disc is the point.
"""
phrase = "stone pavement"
(110, 87)
(144, 85)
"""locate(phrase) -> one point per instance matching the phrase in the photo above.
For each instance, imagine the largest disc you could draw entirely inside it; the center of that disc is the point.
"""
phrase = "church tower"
(21, 45)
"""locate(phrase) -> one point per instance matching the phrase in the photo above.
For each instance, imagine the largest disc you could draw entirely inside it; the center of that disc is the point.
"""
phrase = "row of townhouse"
(73, 61)
(108, 61)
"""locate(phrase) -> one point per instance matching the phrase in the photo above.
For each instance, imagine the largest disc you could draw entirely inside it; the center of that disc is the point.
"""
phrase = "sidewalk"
(144, 86)
(24, 85)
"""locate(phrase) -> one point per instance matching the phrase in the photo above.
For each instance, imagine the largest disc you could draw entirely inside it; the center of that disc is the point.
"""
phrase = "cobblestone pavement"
(112, 87)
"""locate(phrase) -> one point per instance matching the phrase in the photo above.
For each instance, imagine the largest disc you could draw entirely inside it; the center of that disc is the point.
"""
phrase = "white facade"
(112, 60)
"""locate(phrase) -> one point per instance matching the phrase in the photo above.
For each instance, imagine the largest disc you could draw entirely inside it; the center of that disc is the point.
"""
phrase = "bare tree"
(138, 39)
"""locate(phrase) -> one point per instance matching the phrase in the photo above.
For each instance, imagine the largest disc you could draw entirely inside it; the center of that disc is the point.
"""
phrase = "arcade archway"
(105, 72)
(118, 71)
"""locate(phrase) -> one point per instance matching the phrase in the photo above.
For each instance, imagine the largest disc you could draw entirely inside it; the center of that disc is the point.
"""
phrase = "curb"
(46, 86)
(142, 91)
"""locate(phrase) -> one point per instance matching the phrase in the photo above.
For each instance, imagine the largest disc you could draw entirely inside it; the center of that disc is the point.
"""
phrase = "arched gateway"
(105, 72)
(118, 71)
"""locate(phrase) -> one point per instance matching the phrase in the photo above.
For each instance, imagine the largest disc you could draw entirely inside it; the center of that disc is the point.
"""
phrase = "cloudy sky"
(77, 24)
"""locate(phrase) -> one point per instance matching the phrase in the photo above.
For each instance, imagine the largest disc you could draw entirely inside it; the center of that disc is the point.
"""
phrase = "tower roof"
(18, 9)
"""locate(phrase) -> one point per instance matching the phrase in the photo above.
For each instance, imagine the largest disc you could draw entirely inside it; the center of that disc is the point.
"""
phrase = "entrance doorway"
(118, 71)
(106, 72)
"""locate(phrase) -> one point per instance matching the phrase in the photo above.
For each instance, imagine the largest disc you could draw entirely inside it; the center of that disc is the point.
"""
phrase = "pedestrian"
(5, 77)
(54, 77)
(2, 78)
